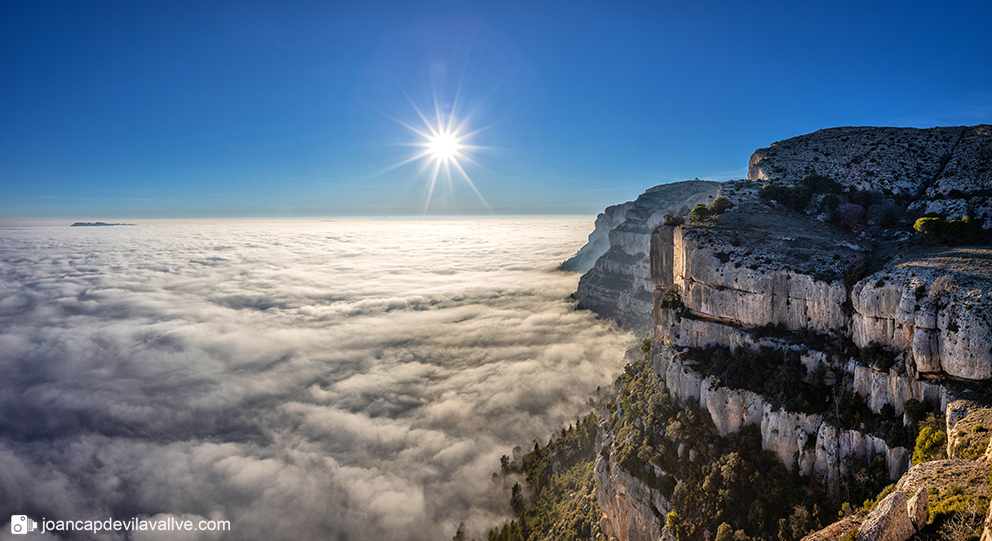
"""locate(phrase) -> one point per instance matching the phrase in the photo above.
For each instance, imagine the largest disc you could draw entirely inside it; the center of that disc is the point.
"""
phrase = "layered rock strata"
(619, 284)
(816, 446)
(599, 239)
(935, 311)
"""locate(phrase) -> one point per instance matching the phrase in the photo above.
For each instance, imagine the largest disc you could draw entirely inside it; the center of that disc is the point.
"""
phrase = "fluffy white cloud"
(346, 380)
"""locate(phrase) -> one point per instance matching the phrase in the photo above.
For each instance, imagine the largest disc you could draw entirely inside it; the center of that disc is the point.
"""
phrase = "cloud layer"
(341, 380)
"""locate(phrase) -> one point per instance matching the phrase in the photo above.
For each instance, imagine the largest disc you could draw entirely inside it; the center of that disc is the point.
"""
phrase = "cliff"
(618, 286)
(599, 239)
(810, 311)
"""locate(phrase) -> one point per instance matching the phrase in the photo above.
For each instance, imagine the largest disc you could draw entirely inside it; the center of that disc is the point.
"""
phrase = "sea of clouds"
(342, 380)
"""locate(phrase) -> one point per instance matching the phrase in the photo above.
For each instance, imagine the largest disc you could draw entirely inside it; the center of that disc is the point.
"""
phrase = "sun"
(443, 141)
(443, 146)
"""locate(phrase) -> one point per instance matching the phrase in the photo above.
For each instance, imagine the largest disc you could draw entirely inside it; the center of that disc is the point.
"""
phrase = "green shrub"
(724, 532)
(699, 213)
(931, 444)
(947, 230)
(822, 184)
(794, 197)
(917, 411)
(886, 214)
(855, 273)
(798, 196)
(720, 205)
(848, 215)
(672, 219)
(829, 203)
(672, 299)
(927, 225)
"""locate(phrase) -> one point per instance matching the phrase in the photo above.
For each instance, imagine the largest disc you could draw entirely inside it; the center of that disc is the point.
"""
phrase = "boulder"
(888, 521)
(919, 508)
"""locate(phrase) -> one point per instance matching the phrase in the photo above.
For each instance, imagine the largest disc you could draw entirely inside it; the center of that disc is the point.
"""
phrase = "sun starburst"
(444, 144)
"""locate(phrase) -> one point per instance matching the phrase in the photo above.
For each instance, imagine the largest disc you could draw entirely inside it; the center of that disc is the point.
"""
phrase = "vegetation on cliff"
(558, 498)
(780, 376)
(713, 480)
(716, 485)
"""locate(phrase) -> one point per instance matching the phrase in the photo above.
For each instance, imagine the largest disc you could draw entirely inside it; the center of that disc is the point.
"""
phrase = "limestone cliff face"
(632, 510)
(619, 284)
(818, 447)
(938, 315)
(828, 291)
(748, 285)
(759, 265)
(599, 239)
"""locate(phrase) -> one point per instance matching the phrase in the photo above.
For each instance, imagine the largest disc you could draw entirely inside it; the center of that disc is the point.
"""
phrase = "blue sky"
(147, 110)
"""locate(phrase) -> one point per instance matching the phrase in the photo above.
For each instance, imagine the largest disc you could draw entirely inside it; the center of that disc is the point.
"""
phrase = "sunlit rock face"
(619, 284)
(599, 239)
(630, 506)
(722, 282)
(763, 264)
(818, 447)
(889, 520)
(944, 327)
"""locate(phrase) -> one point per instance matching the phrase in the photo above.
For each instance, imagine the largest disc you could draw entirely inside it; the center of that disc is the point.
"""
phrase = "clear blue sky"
(141, 110)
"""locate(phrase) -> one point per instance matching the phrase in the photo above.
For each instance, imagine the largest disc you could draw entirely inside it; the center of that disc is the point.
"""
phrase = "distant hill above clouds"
(94, 224)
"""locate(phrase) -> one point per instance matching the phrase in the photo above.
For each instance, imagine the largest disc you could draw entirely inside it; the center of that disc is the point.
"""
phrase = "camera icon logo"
(21, 524)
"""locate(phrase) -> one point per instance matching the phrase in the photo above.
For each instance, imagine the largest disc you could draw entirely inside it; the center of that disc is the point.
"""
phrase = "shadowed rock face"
(619, 284)
(946, 170)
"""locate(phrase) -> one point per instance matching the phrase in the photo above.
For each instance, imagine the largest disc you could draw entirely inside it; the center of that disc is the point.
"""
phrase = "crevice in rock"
(944, 160)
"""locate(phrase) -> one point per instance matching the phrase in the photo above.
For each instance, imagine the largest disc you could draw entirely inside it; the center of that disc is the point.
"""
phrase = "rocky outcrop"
(918, 508)
(599, 239)
(892, 519)
(748, 285)
(947, 170)
(757, 266)
(895, 387)
(632, 510)
(888, 521)
(619, 284)
(940, 317)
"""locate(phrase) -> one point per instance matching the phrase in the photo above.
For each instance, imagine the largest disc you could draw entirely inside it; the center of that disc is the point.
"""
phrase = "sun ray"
(482, 129)
(472, 184)
(422, 116)
(430, 191)
(464, 121)
(454, 106)
(437, 110)
(475, 163)
(414, 158)
(419, 132)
